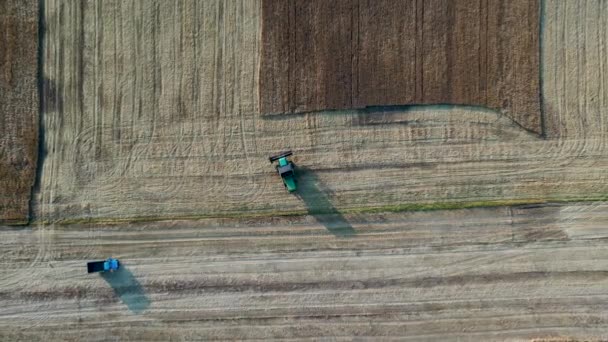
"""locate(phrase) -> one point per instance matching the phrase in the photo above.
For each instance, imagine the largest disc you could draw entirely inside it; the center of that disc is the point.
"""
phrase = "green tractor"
(285, 169)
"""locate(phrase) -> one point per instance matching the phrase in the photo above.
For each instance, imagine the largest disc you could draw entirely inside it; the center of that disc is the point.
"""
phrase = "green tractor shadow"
(317, 200)
(128, 289)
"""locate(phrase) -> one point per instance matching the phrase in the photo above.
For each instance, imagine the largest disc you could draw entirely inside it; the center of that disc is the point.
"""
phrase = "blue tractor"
(109, 265)
(285, 169)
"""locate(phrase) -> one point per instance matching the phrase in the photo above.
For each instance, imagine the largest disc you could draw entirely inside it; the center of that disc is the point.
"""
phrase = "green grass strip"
(404, 207)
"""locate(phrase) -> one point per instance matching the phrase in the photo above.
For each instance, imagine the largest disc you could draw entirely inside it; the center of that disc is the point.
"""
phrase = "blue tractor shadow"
(128, 289)
(318, 204)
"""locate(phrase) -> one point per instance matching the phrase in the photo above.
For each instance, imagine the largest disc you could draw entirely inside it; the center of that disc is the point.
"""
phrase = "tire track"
(305, 282)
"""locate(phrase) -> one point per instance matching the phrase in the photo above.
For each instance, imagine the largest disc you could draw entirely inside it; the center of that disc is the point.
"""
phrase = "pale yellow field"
(151, 114)
(155, 114)
(477, 274)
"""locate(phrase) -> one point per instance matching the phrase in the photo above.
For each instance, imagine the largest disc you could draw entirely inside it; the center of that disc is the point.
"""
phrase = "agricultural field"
(19, 107)
(524, 273)
(471, 216)
(341, 54)
(155, 113)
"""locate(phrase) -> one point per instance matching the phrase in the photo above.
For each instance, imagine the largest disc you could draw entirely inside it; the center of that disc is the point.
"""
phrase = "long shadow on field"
(317, 201)
(128, 289)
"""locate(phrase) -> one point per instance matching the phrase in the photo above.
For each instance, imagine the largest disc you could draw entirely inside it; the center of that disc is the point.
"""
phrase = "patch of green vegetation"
(143, 219)
(404, 207)
(442, 206)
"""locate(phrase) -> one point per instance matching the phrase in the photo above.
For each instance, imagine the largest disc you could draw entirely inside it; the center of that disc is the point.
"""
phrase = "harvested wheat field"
(156, 114)
(507, 273)
(467, 202)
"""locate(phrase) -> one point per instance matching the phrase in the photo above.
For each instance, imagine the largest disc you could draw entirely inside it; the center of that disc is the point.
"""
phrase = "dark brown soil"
(356, 53)
(18, 107)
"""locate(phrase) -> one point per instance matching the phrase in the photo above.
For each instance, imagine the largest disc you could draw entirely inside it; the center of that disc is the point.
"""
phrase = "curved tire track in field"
(368, 158)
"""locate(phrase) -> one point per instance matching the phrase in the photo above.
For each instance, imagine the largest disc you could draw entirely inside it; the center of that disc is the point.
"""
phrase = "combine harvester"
(109, 265)
(285, 169)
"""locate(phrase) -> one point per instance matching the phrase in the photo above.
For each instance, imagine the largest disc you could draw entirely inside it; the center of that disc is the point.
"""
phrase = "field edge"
(406, 207)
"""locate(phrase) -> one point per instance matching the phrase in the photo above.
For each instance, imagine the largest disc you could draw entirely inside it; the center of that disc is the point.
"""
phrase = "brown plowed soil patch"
(320, 55)
(18, 107)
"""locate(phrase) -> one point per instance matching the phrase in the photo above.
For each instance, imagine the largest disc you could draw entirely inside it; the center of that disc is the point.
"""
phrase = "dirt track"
(483, 274)
(341, 54)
